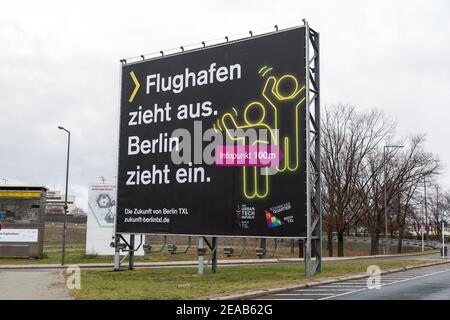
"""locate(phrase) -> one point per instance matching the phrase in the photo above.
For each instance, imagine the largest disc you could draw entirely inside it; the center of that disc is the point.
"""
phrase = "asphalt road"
(429, 283)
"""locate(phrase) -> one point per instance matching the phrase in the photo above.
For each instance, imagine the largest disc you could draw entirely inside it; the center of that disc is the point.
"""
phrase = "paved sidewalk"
(32, 285)
(233, 262)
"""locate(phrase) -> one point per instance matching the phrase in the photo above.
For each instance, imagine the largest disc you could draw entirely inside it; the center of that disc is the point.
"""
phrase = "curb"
(261, 292)
(180, 264)
(380, 256)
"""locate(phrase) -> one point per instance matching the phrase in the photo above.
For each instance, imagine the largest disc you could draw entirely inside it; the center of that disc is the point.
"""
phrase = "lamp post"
(443, 239)
(443, 222)
(65, 197)
(425, 203)
(386, 244)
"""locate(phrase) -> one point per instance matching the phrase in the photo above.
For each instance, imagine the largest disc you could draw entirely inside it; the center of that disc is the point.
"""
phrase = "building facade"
(22, 209)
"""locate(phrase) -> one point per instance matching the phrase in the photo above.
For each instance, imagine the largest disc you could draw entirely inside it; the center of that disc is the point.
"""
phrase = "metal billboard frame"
(313, 243)
(313, 240)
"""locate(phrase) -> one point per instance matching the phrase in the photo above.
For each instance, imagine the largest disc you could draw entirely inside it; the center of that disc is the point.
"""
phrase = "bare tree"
(348, 139)
(404, 172)
(77, 211)
(413, 165)
(439, 205)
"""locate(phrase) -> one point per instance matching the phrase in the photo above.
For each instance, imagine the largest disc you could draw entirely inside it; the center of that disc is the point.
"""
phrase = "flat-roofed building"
(23, 212)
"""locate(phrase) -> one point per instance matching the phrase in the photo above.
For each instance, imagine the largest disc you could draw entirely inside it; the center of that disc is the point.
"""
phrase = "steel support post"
(214, 255)
(116, 252)
(201, 255)
(263, 244)
(131, 252)
(301, 249)
(313, 241)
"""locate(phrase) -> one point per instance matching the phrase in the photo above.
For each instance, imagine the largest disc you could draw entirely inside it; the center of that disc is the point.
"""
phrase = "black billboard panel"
(174, 112)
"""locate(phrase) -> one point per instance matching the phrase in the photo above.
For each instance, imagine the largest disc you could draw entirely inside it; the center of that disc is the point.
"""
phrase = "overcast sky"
(59, 65)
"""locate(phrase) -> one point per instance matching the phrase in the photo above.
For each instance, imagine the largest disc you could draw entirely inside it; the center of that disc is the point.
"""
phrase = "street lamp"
(444, 225)
(425, 203)
(443, 222)
(386, 244)
(65, 196)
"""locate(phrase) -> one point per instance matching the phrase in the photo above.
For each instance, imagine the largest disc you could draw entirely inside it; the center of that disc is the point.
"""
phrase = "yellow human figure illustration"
(251, 176)
(279, 113)
(281, 102)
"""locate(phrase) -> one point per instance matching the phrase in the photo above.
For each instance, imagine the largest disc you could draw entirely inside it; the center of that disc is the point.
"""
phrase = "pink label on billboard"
(261, 155)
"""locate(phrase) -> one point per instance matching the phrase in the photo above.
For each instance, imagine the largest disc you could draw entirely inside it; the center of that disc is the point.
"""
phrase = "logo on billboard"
(244, 214)
(274, 221)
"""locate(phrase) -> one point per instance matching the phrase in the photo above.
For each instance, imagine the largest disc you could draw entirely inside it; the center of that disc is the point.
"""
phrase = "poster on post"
(100, 220)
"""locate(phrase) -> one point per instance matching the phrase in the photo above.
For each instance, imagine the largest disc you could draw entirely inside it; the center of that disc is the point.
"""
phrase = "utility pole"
(437, 204)
(386, 244)
(423, 243)
(443, 239)
(426, 210)
(443, 225)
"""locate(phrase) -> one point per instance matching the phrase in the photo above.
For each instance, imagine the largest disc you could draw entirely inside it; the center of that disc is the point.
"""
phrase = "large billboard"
(212, 141)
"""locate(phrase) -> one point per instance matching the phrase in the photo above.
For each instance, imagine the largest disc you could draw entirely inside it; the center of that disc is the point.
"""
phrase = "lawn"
(184, 283)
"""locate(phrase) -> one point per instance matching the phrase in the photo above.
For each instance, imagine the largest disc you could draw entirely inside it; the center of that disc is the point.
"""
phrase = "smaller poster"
(100, 220)
(19, 235)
